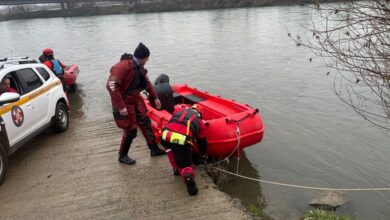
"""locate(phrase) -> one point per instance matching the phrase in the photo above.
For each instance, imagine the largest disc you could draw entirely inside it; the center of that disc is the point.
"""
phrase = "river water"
(311, 137)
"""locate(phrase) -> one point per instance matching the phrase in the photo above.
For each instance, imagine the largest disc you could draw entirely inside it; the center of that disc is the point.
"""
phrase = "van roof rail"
(15, 61)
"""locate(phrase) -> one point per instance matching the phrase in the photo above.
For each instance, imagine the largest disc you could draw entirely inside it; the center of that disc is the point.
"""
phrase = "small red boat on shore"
(70, 74)
(69, 77)
(229, 125)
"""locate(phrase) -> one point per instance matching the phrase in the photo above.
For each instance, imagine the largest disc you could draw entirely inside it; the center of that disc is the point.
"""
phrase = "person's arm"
(113, 86)
(152, 92)
(62, 65)
(150, 88)
(202, 140)
(202, 143)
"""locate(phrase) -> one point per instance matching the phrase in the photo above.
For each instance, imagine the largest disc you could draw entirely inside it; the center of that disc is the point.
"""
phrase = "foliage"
(353, 39)
(319, 214)
(254, 210)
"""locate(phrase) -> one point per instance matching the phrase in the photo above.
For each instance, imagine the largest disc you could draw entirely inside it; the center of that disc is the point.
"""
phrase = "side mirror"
(9, 97)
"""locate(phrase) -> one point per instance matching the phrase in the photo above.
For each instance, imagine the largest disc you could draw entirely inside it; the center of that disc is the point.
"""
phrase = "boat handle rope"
(241, 119)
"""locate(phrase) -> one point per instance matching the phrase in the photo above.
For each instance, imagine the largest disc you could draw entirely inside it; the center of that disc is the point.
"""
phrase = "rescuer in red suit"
(127, 79)
(6, 86)
(185, 128)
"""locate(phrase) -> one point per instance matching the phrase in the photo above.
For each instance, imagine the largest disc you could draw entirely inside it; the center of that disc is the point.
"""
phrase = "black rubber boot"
(155, 150)
(125, 147)
(126, 160)
(192, 189)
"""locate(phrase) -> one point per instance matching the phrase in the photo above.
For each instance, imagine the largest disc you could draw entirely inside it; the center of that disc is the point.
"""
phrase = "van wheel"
(3, 164)
(61, 120)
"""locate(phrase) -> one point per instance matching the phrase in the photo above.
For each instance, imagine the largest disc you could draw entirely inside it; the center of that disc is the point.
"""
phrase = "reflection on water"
(248, 191)
(76, 100)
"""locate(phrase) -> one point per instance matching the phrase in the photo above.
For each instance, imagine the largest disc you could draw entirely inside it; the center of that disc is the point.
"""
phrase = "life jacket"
(187, 118)
(139, 82)
(56, 67)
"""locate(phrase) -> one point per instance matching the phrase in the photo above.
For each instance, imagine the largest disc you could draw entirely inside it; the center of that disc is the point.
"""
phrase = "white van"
(31, 100)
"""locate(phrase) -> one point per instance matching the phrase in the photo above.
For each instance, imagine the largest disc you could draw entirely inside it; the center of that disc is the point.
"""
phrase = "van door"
(34, 88)
(17, 115)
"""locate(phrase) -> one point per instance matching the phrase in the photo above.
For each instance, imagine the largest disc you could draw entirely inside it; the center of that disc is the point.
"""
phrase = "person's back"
(179, 137)
(56, 66)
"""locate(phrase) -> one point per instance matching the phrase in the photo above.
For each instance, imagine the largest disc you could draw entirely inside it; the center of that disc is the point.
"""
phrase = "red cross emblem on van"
(17, 116)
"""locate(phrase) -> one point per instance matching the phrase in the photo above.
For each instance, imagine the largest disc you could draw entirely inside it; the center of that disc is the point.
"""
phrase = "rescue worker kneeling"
(179, 136)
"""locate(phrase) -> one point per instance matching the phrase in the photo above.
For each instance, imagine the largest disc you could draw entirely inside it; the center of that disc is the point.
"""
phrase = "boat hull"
(70, 74)
(229, 125)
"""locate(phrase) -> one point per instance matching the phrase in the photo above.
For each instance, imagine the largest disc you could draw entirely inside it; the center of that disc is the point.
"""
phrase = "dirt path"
(75, 175)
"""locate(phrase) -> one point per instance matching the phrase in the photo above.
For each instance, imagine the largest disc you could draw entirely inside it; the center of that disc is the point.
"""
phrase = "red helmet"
(198, 108)
(47, 51)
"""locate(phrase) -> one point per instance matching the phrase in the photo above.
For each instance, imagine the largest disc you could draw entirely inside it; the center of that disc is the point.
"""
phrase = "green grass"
(319, 214)
(256, 211)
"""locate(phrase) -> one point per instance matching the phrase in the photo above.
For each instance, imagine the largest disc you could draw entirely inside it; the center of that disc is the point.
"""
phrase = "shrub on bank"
(320, 214)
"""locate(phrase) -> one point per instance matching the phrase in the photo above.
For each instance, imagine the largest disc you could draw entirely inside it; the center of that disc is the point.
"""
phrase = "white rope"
(238, 145)
(299, 186)
(237, 148)
(212, 166)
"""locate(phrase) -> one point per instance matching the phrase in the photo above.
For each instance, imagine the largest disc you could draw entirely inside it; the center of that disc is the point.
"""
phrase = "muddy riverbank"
(75, 175)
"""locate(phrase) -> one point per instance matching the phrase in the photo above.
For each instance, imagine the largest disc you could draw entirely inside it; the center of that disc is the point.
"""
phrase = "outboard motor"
(162, 78)
(164, 93)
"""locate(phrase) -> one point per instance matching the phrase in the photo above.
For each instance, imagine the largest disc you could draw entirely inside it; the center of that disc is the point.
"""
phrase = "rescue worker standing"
(179, 136)
(127, 79)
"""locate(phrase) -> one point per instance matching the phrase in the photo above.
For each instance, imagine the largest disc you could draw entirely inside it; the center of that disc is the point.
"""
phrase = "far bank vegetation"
(132, 6)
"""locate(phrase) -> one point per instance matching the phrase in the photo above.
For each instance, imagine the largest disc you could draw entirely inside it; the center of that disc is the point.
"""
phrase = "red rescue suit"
(179, 136)
(124, 84)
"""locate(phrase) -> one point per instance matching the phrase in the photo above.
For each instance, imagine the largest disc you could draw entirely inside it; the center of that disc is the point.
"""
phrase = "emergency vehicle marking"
(111, 84)
(17, 115)
(27, 98)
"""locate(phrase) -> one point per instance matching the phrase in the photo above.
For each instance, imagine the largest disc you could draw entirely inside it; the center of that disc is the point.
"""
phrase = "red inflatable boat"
(230, 125)
(70, 74)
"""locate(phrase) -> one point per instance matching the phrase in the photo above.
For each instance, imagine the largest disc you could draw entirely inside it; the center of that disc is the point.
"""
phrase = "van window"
(29, 80)
(43, 73)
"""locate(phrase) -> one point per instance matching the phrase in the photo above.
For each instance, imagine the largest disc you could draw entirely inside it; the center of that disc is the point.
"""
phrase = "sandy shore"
(76, 175)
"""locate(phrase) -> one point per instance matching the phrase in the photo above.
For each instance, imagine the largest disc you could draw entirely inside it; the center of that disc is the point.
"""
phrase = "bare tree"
(353, 40)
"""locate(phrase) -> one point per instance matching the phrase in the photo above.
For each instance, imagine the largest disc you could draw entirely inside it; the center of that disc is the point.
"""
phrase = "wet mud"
(76, 175)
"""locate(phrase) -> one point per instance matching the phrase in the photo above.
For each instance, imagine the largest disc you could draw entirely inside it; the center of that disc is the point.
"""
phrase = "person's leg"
(183, 158)
(129, 124)
(127, 139)
(171, 157)
(144, 124)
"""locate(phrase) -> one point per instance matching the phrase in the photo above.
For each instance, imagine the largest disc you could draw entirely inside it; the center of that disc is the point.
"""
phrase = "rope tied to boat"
(296, 186)
(238, 144)
(237, 148)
